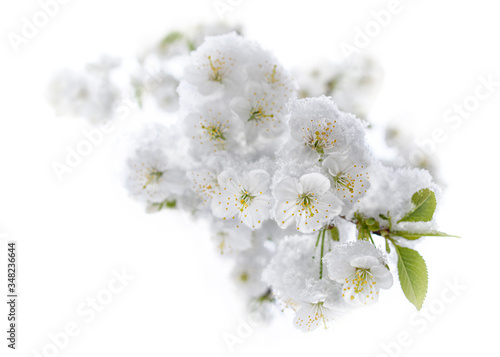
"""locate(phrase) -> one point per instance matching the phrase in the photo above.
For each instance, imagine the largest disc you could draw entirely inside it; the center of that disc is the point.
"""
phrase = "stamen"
(216, 71)
(153, 176)
(216, 132)
(258, 114)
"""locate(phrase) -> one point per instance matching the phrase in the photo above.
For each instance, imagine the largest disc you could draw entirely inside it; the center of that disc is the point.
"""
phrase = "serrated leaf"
(413, 236)
(425, 205)
(413, 277)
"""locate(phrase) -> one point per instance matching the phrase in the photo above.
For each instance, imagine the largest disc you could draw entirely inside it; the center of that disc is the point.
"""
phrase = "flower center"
(152, 176)
(215, 132)
(319, 141)
(306, 202)
(243, 277)
(344, 180)
(361, 280)
(258, 114)
(216, 69)
(245, 200)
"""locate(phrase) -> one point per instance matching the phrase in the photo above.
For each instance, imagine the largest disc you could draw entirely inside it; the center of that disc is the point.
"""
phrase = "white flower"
(152, 178)
(248, 198)
(83, 94)
(261, 110)
(294, 273)
(212, 130)
(265, 68)
(360, 267)
(248, 267)
(229, 239)
(322, 129)
(311, 315)
(217, 64)
(357, 85)
(205, 184)
(308, 202)
(350, 180)
(353, 85)
(313, 123)
(165, 93)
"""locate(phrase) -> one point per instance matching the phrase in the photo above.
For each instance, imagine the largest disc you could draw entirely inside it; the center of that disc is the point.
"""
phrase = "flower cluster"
(313, 220)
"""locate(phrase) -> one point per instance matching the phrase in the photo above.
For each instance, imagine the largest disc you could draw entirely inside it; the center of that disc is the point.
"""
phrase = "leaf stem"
(323, 232)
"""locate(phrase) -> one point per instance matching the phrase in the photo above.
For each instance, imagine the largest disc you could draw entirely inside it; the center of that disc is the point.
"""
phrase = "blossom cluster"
(290, 186)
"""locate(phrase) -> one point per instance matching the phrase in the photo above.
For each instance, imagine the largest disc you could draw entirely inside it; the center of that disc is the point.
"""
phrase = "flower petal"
(315, 183)
(256, 182)
(365, 261)
(383, 276)
(287, 189)
(285, 213)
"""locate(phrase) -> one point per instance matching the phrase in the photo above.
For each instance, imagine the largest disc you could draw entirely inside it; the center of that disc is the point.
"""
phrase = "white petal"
(365, 262)
(287, 189)
(332, 165)
(223, 206)
(306, 223)
(228, 182)
(258, 211)
(311, 316)
(339, 270)
(383, 276)
(316, 183)
(350, 295)
(329, 206)
(242, 107)
(257, 182)
(285, 213)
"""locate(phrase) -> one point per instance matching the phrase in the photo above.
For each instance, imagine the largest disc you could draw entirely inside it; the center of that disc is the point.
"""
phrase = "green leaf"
(171, 204)
(413, 277)
(370, 221)
(171, 38)
(383, 216)
(413, 236)
(425, 205)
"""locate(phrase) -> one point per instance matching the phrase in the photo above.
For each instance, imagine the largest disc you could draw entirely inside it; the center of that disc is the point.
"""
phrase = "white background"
(72, 234)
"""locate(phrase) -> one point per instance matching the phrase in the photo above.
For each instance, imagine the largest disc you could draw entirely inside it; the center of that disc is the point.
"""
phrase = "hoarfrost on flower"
(212, 130)
(247, 199)
(307, 202)
(350, 180)
(216, 64)
(154, 171)
(322, 129)
(360, 267)
(294, 273)
(229, 239)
